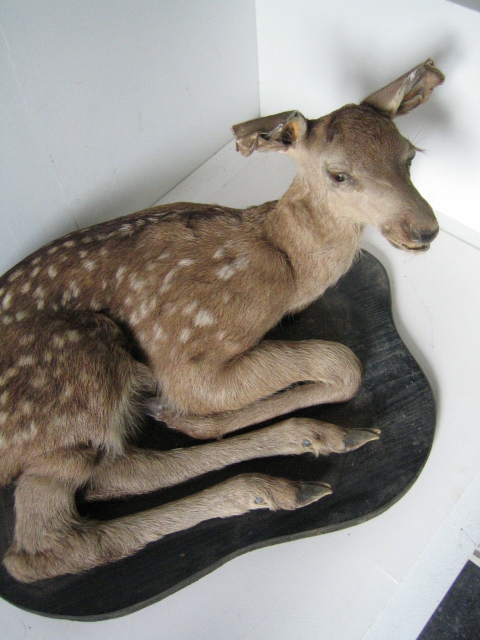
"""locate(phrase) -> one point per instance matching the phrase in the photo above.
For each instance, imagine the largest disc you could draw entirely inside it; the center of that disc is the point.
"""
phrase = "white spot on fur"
(3, 417)
(184, 335)
(190, 308)
(4, 398)
(59, 341)
(25, 288)
(7, 301)
(158, 332)
(69, 243)
(186, 262)
(72, 335)
(16, 274)
(47, 356)
(34, 272)
(72, 292)
(52, 250)
(40, 304)
(226, 272)
(167, 281)
(144, 308)
(219, 253)
(9, 373)
(24, 436)
(36, 260)
(39, 292)
(120, 273)
(90, 265)
(137, 284)
(241, 263)
(26, 361)
(125, 229)
(221, 334)
(26, 340)
(39, 380)
(135, 318)
(52, 271)
(204, 318)
(21, 315)
(26, 408)
(7, 319)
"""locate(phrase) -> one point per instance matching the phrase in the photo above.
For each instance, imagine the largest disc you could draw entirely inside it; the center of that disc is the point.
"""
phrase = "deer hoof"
(309, 492)
(356, 438)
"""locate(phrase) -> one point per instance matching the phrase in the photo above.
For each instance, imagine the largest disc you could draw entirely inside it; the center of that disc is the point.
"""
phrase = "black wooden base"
(394, 397)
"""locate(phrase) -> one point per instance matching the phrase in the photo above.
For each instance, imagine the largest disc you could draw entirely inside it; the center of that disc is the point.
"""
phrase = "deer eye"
(410, 160)
(338, 176)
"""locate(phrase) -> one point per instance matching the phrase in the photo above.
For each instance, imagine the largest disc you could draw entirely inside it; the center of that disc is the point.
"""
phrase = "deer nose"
(425, 236)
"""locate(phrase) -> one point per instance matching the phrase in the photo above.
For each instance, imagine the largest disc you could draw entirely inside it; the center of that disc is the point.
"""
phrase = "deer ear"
(406, 93)
(272, 133)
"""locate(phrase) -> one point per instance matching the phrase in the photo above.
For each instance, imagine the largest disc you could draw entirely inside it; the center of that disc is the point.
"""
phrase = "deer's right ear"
(272, 133)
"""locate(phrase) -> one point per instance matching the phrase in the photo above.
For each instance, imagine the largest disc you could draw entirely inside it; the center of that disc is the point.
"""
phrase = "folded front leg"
(140, 471)
(255, 387)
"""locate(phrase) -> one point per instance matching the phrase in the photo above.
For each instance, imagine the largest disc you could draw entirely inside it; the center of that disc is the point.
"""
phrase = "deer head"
(355, 161)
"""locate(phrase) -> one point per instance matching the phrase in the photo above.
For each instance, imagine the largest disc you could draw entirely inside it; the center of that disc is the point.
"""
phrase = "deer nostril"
(424, 235)
(429, 234)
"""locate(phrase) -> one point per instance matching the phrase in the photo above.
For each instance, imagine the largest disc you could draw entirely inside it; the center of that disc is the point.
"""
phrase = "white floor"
(380, 580)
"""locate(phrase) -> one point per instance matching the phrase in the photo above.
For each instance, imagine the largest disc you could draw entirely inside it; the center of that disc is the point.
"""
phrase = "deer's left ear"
(272, 133)
(406, 93)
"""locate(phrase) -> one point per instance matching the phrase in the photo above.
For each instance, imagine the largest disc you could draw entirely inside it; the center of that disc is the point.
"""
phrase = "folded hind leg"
(51, 539)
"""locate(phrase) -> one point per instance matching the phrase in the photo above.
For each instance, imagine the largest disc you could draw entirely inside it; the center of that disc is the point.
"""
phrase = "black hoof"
(309, 492)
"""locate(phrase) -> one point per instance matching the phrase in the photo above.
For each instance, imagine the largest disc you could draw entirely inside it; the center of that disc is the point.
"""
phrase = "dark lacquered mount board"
(394, 397)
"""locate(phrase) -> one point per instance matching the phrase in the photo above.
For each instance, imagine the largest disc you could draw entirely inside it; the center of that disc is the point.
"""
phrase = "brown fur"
(165, 311)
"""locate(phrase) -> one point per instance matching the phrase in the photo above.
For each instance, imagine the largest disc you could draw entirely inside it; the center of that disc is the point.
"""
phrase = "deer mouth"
(410, 247)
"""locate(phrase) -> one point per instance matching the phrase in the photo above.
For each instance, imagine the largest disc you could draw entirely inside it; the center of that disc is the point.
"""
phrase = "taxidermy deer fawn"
(164, 312)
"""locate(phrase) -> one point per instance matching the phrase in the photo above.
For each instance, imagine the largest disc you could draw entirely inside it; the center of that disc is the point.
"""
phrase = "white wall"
(315, 55)
(105, 106)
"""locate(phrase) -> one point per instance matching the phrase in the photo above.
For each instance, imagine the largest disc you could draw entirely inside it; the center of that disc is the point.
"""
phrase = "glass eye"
(338, 177)
(410, 160)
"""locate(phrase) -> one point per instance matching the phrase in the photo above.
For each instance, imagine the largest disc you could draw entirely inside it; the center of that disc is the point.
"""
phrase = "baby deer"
(164, 312)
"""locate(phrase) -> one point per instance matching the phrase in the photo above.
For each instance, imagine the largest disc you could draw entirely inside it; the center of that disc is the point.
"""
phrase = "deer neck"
(320, 245)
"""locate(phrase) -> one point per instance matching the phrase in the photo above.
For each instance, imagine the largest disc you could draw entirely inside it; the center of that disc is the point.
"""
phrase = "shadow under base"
(394, 397)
